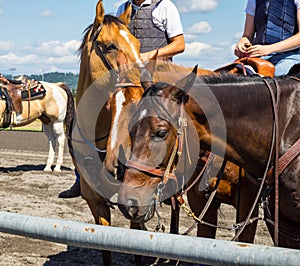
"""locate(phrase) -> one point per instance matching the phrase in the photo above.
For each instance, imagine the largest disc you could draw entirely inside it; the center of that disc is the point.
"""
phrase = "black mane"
(108, 19)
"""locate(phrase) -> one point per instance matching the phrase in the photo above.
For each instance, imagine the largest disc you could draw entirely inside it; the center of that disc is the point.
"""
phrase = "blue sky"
(44, 35)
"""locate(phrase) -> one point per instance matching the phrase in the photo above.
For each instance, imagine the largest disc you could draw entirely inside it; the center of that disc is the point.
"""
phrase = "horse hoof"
(47, 169)
(57, 169)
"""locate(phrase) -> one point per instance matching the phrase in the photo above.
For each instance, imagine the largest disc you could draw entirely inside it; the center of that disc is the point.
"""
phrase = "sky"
(40, 36)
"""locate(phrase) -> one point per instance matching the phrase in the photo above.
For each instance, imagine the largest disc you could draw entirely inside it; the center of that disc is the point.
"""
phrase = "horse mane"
(108, 19)
(149, 101)
(234, 79)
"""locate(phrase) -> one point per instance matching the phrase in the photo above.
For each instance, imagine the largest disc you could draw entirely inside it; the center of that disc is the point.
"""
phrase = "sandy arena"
(25, 188)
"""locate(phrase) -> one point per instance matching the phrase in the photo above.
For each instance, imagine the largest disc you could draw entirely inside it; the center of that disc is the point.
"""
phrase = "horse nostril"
(133, 208)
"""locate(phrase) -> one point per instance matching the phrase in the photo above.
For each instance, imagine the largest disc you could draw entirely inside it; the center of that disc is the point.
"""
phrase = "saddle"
(15, 91)
(249, 66)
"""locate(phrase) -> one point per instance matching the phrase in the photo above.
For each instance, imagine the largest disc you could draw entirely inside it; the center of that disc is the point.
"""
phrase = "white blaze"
(120, 99)
(126, 37)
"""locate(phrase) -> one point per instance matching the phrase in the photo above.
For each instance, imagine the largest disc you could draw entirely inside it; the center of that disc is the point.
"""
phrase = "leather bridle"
(100, 52)
(169, 172)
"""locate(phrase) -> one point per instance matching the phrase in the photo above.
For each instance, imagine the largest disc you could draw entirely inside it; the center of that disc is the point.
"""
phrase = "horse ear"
(99, 13)
(146, 78)
(187, 82)
(125, 16)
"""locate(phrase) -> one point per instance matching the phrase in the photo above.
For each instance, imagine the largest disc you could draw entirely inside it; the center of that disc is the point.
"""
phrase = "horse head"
(155, 128)
(106, 41)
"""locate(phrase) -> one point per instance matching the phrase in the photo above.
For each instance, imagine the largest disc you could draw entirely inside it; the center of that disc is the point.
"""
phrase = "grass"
(34, 126)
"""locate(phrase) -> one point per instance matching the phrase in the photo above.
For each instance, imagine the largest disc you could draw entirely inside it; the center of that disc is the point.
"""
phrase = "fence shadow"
(77, 256)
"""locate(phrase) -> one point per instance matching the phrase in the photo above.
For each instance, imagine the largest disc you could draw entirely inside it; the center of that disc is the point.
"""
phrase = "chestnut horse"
(54, 107)
(105, 45)
(215, 106)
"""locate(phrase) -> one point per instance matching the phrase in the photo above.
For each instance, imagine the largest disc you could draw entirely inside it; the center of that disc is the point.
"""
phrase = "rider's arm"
(283, 46)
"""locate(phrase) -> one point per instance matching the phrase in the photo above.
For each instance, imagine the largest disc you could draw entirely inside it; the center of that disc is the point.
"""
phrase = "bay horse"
(23, 101)
(228, 191)
(215, 105)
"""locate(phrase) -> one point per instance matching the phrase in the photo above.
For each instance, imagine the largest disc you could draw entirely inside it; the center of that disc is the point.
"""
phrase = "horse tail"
(69, 115)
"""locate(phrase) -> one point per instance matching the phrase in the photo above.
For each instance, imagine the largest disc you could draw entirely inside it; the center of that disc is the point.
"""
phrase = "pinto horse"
(215, 106)
(54, 106)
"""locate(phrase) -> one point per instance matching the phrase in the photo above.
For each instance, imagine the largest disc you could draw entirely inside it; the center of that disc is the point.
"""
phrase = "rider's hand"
(241, 48)
(259, 50)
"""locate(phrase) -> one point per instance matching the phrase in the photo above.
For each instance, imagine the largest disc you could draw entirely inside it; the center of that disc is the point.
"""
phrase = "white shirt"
(165, 16)
(251, 4)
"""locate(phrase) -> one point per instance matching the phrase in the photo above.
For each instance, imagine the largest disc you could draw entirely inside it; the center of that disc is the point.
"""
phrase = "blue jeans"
(283, 61)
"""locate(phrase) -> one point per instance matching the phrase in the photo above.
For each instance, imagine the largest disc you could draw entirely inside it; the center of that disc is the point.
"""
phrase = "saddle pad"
(36, 91)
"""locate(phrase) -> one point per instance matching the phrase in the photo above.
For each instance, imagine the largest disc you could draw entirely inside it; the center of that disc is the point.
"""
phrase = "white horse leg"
(58, 129)
(48, 129)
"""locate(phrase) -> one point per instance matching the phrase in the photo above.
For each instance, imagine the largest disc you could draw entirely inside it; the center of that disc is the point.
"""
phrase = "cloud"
(49, 56)
(1, 11)
(205, 55)
(200, 28)
(196, 5)
(237, 35)
(46, 13)
(5, 46)
(195, 49)
(57, 48)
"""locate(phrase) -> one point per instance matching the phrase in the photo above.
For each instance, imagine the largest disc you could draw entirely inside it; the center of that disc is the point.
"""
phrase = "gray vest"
(275, 21)
(143, 28)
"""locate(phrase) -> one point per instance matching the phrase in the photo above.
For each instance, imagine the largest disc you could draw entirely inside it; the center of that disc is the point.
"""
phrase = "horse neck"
(240, 122)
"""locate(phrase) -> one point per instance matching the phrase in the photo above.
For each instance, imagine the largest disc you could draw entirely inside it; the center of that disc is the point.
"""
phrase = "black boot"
(72, 192)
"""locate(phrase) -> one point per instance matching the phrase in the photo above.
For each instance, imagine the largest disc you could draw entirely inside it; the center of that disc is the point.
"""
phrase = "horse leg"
(289, 230)
(58, 128)
(174, 224)
(248, 193)
(52, 144)
(100, 211)
(197, 200)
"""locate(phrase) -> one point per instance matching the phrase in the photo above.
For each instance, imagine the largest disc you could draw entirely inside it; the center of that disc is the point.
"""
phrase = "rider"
(271, 31)
(157, 25)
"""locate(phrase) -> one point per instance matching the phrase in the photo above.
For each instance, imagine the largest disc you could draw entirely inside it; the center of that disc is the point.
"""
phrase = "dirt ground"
(26, 189)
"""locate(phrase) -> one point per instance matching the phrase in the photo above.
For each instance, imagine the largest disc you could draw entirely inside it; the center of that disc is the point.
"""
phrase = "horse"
(215, 105)
(228, 191)
(24, 101)
(105, 44)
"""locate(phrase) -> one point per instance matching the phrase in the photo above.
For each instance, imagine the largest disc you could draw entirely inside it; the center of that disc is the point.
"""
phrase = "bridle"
(169, 172)
(95, 34)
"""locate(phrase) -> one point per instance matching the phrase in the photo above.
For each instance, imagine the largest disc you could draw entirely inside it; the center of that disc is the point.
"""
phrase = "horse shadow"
(29, 168)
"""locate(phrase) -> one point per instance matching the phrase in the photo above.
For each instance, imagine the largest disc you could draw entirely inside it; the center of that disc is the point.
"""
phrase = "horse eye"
(110, 47)
(161, 134)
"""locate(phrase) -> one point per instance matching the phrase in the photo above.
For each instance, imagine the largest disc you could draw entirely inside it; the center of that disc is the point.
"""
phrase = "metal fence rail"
(177, 247)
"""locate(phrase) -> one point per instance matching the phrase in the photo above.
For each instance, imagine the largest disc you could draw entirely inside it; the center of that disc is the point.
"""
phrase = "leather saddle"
(249, 66)
(13, 89)
(20, 89)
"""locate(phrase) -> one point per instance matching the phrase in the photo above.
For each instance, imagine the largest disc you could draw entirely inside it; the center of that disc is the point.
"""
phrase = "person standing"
(271, 31)
(157, 25)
